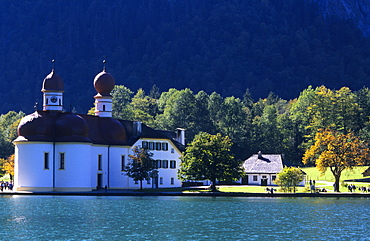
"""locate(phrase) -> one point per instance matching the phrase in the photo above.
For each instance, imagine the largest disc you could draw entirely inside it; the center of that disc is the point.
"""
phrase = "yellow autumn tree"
(336, 151)
(7, 165)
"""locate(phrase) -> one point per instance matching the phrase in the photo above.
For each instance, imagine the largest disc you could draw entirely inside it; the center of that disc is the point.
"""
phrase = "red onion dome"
(112, 131)
(104, 83)
(36, 126)
(71, 127)
(52, 82)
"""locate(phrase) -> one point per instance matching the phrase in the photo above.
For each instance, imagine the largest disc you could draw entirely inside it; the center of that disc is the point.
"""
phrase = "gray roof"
(268, 163)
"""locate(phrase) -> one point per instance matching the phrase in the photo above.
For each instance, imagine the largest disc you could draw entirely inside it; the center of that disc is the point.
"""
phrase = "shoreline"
(188, 194)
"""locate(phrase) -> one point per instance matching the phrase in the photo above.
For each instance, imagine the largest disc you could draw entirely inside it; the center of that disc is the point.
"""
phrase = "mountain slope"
(224, 46)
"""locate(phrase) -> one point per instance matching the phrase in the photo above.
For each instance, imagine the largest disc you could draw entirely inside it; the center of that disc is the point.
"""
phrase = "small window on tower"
(61, 161)
(99, 162)
(46, 160)
(103, 107)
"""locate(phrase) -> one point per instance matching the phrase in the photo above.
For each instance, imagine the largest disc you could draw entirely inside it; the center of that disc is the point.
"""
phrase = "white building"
(63, 151)
(263, 169)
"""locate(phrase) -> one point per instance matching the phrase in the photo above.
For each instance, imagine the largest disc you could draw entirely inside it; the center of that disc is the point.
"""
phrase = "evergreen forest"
(225, 46)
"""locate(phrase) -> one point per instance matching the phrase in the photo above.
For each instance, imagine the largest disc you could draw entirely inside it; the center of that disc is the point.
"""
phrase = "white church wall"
(31, 171)
(74, 174)
(118, 158)
(99, 174)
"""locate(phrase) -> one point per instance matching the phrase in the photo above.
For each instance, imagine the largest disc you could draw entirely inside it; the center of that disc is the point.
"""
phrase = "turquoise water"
(182, 218)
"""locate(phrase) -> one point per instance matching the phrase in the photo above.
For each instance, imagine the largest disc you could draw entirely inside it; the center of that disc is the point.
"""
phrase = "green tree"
(8, 132)
(202, 117)
(335, 109)
(337, 151)
(121, 99)
(141, 166)
(179, 111)
(208, 157)
(289, 178)
(141, 106)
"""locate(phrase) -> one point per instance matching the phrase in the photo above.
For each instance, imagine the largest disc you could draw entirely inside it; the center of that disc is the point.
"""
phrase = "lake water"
(183, 218)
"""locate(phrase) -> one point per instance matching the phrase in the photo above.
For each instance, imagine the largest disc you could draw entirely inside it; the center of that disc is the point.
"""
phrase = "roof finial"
(104, 65)
(52, 65)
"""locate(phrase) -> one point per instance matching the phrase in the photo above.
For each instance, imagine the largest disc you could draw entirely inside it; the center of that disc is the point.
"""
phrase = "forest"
(266, 73)
(270, 125)
(215, 46)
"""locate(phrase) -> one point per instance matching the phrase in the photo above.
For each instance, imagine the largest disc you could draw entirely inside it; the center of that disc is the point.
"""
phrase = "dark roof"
(53, 82)
(148, 132)
(268, 163)
(70, 127)
(104, 83)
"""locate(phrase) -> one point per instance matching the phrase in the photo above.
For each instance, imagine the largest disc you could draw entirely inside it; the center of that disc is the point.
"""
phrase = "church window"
(60, 102)
(165, 164)
(151, 145)
(99, 162)
(103, 107)
(136, 182)
(123, 163)
(165, 146)
(46, 160)
(172, 181)
(172, 150)
(173, 164)
(148, 181)
(145, 145)
(61, 160)
(161, 180)
(159, 162)
(47, 101)
(158, 146)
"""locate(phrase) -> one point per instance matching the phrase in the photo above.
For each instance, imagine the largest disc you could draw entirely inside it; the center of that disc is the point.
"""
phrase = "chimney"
(259, 155)
(180, 135)
(136, 128)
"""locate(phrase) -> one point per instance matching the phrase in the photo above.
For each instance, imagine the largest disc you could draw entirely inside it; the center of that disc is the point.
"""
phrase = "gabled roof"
(148, 132)
(267, 163)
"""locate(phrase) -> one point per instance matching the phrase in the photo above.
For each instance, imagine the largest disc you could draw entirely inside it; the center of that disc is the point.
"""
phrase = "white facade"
(262, 179)
(59, 151)
(42, 166)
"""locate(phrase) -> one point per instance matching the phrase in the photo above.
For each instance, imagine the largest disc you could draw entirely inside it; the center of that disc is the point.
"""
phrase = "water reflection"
(182, 218)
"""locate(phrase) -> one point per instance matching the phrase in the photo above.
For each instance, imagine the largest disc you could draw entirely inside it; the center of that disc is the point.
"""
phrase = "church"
(67, 152)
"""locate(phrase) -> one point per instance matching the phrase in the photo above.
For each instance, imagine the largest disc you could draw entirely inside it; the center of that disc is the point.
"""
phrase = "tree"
(179, 110)
(208, 157)
(141, 106)
(141, 166)
(8, 132)
(121, 98)
(336, 151)
(336, 109)
(7, 165)
(289, 178)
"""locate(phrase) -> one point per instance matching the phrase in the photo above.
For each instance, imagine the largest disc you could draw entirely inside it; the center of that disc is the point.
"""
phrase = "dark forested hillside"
(224, 46)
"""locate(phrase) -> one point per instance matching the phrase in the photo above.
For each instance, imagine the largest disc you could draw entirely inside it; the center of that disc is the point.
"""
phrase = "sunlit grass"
(314, 174)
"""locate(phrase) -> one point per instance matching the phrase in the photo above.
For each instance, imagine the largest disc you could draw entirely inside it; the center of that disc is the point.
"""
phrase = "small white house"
(263, 169)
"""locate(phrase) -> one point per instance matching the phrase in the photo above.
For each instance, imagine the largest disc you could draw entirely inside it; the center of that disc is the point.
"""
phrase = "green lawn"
(314, 174)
